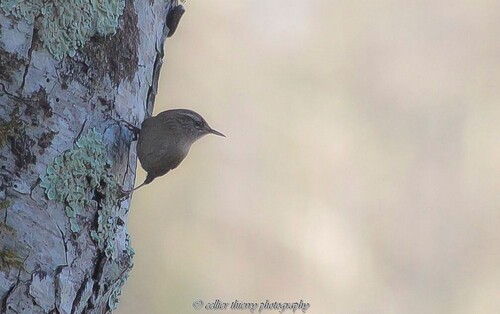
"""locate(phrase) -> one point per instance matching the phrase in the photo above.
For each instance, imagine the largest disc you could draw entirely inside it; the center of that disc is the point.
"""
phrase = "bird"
(165, 139)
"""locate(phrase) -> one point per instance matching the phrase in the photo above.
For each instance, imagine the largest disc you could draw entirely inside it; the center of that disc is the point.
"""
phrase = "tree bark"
(71, 73)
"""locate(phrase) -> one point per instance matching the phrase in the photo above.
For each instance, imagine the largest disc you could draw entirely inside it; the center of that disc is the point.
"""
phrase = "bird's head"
(187, 123)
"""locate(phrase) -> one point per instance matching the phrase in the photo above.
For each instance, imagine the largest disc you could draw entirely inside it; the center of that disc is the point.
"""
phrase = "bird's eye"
(198, 124)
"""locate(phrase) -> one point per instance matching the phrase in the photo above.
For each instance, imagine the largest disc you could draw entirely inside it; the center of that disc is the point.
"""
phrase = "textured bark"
(65, 152)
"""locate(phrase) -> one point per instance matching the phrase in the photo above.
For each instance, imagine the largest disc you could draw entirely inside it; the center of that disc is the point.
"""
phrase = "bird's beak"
(216, 132)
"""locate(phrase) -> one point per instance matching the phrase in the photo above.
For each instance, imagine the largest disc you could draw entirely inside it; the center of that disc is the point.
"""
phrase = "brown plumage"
(165, 140)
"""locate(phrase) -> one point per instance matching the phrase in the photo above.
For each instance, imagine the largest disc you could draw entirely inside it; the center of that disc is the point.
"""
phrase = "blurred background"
(361, 168)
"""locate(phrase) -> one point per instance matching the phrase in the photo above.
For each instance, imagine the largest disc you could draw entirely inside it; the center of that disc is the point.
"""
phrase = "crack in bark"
(64, 243)
(57, 288)
(32, 187)
(153, 88)
(78, 296)
(5, 184)
(28, 287)
(81, 131)
(10, 291)
(30, 52)
(135, 131)
(7, 295)
(96, 277)
(10, 94)
(127, 168)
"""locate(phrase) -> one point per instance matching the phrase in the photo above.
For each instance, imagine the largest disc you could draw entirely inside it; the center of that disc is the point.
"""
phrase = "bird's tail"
(137, 187)
(148, 180)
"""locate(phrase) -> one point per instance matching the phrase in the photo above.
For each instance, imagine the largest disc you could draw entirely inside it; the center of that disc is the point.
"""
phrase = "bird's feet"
(135, 130)
(123, 194)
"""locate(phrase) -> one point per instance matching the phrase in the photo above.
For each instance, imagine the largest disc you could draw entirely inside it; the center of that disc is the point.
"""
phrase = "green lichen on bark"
(114, 297)
(81, 179)
(117, 269)
(66, 25)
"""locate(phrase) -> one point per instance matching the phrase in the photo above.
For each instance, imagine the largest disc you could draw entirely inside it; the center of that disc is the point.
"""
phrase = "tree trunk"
(71, 73)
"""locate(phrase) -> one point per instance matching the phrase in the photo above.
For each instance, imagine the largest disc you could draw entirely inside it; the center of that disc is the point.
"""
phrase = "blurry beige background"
(361, 172)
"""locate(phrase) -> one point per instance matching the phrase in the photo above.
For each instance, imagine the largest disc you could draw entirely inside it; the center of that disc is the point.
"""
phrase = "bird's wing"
(160, 159)
(164, 162)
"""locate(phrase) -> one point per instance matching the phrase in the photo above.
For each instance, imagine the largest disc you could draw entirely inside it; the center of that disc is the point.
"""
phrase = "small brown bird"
(164, 140)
